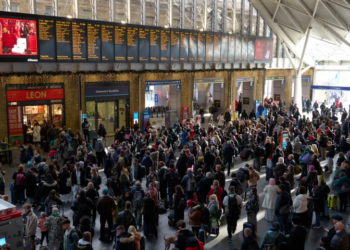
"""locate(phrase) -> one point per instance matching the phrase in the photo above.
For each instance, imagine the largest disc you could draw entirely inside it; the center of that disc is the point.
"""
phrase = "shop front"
(275, 88)
(107, 103)
(245, 94)
(30, 104)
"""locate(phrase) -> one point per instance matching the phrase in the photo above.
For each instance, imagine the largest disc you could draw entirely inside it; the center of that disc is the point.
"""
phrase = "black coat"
(149, 211)
(228, 153)
(83, 181)
(181, 165)
(297, 238)
(126, 219)
(30, 184)
(47, 186)
(209, 159)
(318, 199)
(62, 183)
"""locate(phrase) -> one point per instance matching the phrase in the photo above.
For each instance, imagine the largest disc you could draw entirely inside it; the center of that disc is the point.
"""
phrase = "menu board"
(183, 46)
(154, 44)
(47, 39)
(144, 46)
(201, 47)
(94, 42)
(238, 49)
(231, 49)
(244, 49)
(217, 48)
(175, 46)
(165, 45)
(251, 44)
(224, 48)
(107, 42)
(120, 43)
(133, 44)
(63, 40)
(79, 40)
(192, 49)
(209, 46)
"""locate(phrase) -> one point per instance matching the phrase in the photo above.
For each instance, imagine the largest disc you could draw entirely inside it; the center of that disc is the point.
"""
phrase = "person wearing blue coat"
(343, 196)
(183, 137)
(147, 162)
(228, 153)
(261, 109)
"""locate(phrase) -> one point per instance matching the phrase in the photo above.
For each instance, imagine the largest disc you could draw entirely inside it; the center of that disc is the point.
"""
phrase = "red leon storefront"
(27, 104)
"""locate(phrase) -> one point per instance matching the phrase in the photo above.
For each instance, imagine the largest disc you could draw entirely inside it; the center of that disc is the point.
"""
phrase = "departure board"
(238, 49)
(107, 42)
(120, 43)
(154, 43)
(217, 48)
(165, 45)
(79, 40)
(63, 40)
(201, 47)
(244, 49)
(175, 46)
(231, 49)
(47, 41)
(192, 49)
(94, 41)
(133, 44)
(209, 46)
(251, 49)
(144, 44)
(183, 46)
(224, 48)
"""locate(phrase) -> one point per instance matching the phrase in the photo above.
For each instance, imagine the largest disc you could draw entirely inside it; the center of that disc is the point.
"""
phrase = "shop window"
(261, 26)
(15, 7)
(238, 11)
(57, 115)
(32, 114)
(90, 112)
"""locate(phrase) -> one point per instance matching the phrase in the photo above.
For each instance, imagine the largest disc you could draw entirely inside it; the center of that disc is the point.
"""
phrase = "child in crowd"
(44, 230)
(52, 154)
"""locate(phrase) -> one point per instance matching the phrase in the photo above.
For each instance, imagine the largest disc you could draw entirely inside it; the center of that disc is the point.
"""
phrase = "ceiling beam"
(346, 6)
(288, 26)
(297, 25)
(276, 10)
(335, 15)
(327, 27)
(326, 22)
(308, 11)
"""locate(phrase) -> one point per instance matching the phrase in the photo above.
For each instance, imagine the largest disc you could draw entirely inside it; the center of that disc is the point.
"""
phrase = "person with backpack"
(189, 184)
(125, 218)
(52, 200)
(71, 236)
(179, 204)
(138, 194)
(99, 149)
(194, 216)
(19, 178)
(149, 217)
(42, 167)
(243, 177)
(147, 162)
(24, 156)
(237, 184)
(228, 154)
(82, 206)
(273, 237)
(64, 184)
(162, 174)
(53, 223)
(172, 179)
(184, 237)
(233, 206)
(282, 208)
(342, 186)
(105, 206)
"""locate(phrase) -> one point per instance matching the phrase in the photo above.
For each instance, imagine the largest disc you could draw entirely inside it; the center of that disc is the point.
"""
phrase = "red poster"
(15, 120)
(41, 109)
(34, 95)
(259, 45)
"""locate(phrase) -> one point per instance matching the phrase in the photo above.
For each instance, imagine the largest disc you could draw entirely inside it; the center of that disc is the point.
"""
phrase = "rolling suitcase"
(251, 227)
(333, 201)
(142, 243)
(244, 154)
(201, 236)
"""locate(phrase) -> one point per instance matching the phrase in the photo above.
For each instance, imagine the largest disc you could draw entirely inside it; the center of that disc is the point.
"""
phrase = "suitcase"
(201, 236)
(333, 201)
(244, 154)
(251, 227)
(142, 243)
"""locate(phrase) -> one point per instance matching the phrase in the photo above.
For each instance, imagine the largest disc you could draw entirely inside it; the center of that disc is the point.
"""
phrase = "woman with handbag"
(64, 184)
(252, 208)
(271, 192)
(300, 205)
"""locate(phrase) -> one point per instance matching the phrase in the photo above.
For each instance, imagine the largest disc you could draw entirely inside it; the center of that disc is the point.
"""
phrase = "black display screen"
(94, 41)
(184, 46)
(165, 45)
(64, 40)
(133, 44)
(217, 48)
(238, 49)
(175, 46)
(107, 41)
(79, 40)
(201, 47)
(209, 46)
(192, 49)
(251, 49)
(143, 44)
(47, 41)
(224, 48)
(120, 43)
(154, 44)
(231, 49)
(244, 49)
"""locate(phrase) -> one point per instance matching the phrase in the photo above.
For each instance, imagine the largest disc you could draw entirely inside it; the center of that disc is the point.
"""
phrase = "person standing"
(55, 229)
(281, 208)
(340, 240)
(78, 179)
(86, 127)
(228, 154)
(317, 198)
(343, 193)
(19, 178)
(138, 194)
(300, 205)
(252, 208)
(71, 236)
(31, 224)
(99, 149)
(105, 207)
(297, 236)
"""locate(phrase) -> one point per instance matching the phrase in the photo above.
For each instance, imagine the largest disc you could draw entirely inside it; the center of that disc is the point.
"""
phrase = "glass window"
(37, 113)
(65, 8)
(274, 45)
(44, 7)
(91, 114)
(15, 6)
(261, 26)
(135, 8)
(219, 20)
(254, 22)
(188, 14)
(120, 7)
(246, 18)
(151, 12)
(3, 6)
(163, 13)
(122, 113)
(238, 11)
(229, 16)
(103, 10)
(57, 115)
(210, 10)
(200, 15)
(268, 31)
(176, 14)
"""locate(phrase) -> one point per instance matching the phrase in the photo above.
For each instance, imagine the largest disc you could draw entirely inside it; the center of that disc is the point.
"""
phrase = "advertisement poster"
(18, 37)
(259, 48)
(257, 102)
(284, 136)
(146, 115)
(15, 125)
(268, 49)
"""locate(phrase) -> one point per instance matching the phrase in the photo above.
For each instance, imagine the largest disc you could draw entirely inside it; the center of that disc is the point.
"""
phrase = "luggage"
(46, 146)
(162, 210)
(297, 169)
(250, 226)
(201, 236)
(244, 154)
(142, 243)
(332, 201)
(215, 231)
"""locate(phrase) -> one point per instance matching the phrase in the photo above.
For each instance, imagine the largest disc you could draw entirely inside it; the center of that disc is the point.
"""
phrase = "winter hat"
(311, 167)
(54, 209)
(105, 191)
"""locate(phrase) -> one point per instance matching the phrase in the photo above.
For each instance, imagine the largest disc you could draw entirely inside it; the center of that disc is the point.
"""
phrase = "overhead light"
(201, 30)
(123, 22)
(69, 16)
(230, 32)
(166, 26)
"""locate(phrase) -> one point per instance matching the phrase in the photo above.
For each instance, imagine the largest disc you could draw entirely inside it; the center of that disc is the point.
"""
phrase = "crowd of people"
(181, 170)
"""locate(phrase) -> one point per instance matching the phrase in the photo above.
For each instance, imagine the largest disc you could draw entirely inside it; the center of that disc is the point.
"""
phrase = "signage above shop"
(34, 95)
(330, 88)
(101, 89)
(245, 79)
(164, 82)
(267, 78)
(209, 80)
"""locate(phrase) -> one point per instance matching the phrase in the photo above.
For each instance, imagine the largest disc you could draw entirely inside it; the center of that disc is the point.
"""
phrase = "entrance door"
(106, 116)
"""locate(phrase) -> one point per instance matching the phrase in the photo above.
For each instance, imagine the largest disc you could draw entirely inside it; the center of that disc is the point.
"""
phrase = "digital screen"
(18, 37)
(175, 45)
(133, 44)
(107, 41)
(231, 49)
(209, 46)
(244, 49)
(79, 40)
(144, 44)
(268, 49)
(192, 50)
(224, 48)
(2, 241)
(263, 50)
(47, 41)
(165, 45)
(251, 49)
(217, 48)
(120, 43)
(94, 42)
(154, 45)
(184, 46)
(201, 47)
(63, 40)
(238, 49)
(259, 49)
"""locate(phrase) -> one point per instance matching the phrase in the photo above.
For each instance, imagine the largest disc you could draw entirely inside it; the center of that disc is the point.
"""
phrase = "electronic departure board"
(175, 46)
(144, 46)
(192, 49)
(94, 41)
(47, 41)
(244, 49)
(224, 48)
(63, 40)
(217, 48)
(133, 43)
(120, 43)
(251, 49)
(209, 46)
(165, 45)
(201, 47)
(79, 40)
(231, 49)
(107, 42)
(154, 44)
(184, 46)
(238, 49)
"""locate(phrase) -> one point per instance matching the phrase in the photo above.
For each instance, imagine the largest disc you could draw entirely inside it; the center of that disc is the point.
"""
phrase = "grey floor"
(313, 236)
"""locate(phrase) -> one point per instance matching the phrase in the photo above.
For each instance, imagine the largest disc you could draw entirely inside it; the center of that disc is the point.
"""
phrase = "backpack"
(242, 175)
(49, 207)
(138, 199)
(191, 242)
(253, 246)
(232, 205)
(174, 179)
(165, 174)
(345, 188)
(191, 185)
(75, 230)
(20, 179)
(141, 171)
(324, 139)
(190, 160)
(238, 187)
(182, 204)
(121, 160)
(205, 218)
(262, 151)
